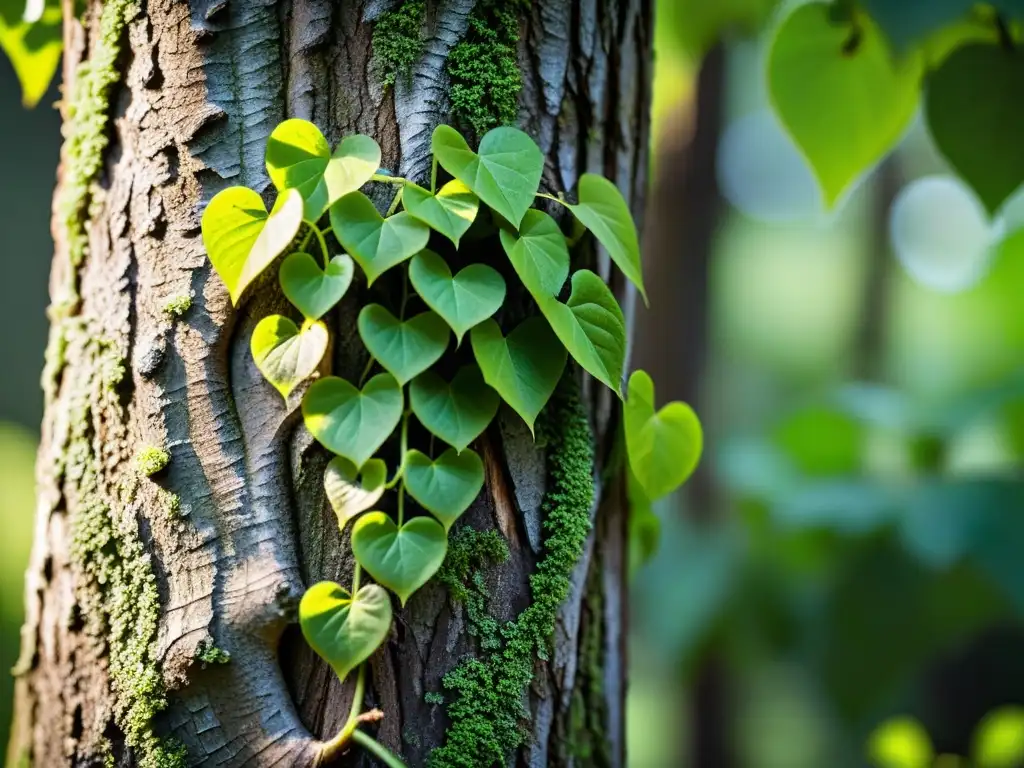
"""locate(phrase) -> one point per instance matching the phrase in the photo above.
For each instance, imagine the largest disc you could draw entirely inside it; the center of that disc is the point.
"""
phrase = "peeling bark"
(200, 87)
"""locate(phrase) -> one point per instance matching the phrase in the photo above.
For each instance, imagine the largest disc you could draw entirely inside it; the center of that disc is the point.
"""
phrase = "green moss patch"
(397, 42)
(486, 702)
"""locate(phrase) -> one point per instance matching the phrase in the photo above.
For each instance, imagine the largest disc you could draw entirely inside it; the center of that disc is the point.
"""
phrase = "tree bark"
(138, 581)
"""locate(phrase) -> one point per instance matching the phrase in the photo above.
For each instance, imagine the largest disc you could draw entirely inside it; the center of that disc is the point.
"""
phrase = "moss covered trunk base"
(180, 509)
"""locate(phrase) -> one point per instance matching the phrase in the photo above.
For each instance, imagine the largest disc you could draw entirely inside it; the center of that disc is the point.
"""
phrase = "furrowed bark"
(138, 581)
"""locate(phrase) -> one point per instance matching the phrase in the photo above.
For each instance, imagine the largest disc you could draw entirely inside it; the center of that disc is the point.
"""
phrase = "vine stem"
(383, 178)
(404, 448)
(395, 202)
(375, 748)
(335, 745)
(356, 573)
(323, 245)
(546, 196)
(433, 176)
(401, 503)
(366, 371)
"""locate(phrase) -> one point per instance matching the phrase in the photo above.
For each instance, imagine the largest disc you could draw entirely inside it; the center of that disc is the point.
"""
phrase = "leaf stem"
(356, 573)
(395, 202)
(401, 503)
(546, 196)
(366, 371)
(323, 245)
(385, 179)
(433, 176)
(405, 293)
(375, 748)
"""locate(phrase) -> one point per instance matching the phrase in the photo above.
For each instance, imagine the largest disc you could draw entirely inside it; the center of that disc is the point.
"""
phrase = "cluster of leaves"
(846, 79)
(455, 393)
(902, 742)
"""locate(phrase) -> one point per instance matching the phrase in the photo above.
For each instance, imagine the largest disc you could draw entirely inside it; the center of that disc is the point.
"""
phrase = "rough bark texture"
(137, 580)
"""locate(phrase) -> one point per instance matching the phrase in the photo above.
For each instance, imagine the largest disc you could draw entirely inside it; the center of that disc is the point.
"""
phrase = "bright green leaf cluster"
(902, 742)
(453, 391)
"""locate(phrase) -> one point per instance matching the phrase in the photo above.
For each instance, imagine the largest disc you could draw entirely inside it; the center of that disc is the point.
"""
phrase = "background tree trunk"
(139, 581)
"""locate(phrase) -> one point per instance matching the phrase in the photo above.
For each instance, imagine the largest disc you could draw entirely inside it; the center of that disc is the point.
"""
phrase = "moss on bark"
(486, 707)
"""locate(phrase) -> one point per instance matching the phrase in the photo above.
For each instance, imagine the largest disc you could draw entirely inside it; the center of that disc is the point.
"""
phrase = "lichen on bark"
(486, 708)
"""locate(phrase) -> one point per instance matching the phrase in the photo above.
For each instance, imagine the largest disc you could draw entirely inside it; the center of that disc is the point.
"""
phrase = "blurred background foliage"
(850, 551)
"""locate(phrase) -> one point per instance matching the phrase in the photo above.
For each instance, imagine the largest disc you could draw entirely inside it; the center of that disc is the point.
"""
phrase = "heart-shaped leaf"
(31, 37)
(446, 486)
(376, 243)
(406, 348)
(350, 422)
(451, 212)
(242, 239)
(840, 93)
(352, 491)
(591, 326)
(975, 116)
(603, 211)
(470, 297)
(342, 629)
(538, 254)
(663, 447)
(298, 157)
(457, 412)
(312, 290)
(286, 355)
(505, 173)
(402, 559)
(524, 367)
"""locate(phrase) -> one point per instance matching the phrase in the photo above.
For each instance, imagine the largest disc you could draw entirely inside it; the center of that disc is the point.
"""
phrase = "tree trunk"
(180, 510)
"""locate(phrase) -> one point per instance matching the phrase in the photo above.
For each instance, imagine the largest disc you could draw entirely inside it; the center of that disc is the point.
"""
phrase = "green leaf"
(285, 355)
(999, 739)
(405, 348)
(538, 254)
(446, 486)
(473, 295)
(839, 91)
(975, 114)
(663, 447)
(505, 173)
(900, 743)
(376, 243)
(352, 491)
(242, 239)
(342, 629)
(32, 44)
(591, 326)
(312, 290)
(298, 157)
(457, 412)
(524, 368)
(350, 422)
(603, 211)
(402, 559)
(451, 212)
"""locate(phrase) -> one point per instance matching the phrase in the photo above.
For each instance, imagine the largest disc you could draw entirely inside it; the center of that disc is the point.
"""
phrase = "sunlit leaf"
(285, 354)
(900, 743)
(451, 211)
(242, 239)
(352, 491)
(343, 629)
(30, 35)
(999, 739)
(298, 157)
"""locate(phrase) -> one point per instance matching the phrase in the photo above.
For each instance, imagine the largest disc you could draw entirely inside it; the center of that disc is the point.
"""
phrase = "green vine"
(487, 710)
(484, 69)
(397, 42)
(413, 371)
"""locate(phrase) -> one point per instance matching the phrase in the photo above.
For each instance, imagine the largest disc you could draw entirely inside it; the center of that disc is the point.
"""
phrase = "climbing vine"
(417, 389)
